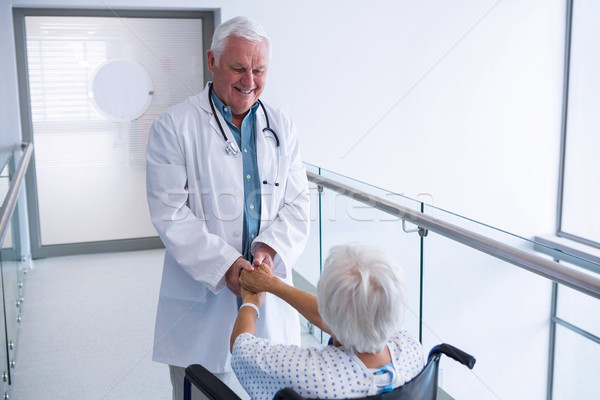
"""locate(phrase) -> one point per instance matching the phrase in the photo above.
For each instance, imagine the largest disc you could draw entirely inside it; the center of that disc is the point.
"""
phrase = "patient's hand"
(259, 280)
(251, 297)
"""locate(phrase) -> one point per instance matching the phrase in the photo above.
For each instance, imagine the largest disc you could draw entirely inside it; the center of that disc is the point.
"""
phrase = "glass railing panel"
(576, 366)
(579, 310)
(347, 221)
(307, 269)
(474, 297)
(344, 220)
(491, 309)
(476, 226)
(375, 191)
(12, 304)
(309, 263)
(8, 289)
(4, 359)
(577, 345)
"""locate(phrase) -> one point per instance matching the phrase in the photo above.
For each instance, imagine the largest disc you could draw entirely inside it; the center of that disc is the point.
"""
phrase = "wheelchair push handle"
(454, 353)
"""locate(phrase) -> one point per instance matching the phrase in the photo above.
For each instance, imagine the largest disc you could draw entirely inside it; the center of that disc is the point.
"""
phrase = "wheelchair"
(424, 386)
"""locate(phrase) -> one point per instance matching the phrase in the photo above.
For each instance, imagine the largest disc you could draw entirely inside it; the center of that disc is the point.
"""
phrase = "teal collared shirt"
(246, 141)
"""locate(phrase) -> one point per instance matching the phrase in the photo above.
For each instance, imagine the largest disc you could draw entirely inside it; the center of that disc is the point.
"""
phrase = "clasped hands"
(242, 272)
(254, 284)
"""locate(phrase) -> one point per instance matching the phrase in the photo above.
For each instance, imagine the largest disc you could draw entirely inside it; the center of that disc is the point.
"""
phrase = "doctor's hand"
(265, 255)
(232, 276)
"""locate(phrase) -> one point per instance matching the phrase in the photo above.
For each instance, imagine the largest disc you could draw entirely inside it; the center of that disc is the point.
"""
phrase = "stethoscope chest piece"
(231, 149)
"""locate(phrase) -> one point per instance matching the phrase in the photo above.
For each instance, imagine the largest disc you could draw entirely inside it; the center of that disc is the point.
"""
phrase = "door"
(91, 84)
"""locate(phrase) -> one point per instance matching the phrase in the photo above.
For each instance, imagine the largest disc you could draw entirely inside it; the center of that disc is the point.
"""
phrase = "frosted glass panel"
(582, 153)
(345, 220)
(491, 309)
(309, 262)
(578, 309)
(90, 170)
(576, 366)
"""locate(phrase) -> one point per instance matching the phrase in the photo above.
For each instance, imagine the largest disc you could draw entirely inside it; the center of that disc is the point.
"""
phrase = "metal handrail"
(10, 201)
(576, 278)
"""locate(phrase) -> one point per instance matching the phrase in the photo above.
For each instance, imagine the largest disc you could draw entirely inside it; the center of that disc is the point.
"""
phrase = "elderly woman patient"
(360, 303)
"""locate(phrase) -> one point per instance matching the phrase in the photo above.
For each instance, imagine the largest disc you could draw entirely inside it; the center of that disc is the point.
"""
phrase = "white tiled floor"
(87, 329)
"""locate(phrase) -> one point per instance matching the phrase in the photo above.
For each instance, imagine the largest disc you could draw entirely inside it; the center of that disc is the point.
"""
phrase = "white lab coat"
(195, 194)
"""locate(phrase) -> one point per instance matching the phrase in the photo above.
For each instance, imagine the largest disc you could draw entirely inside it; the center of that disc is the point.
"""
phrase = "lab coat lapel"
(266, 158)
(205, 105)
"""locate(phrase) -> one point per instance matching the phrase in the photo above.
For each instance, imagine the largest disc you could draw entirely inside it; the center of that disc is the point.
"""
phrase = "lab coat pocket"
(273, 189)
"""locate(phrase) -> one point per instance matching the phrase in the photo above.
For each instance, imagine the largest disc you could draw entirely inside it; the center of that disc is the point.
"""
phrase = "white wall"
(9, 107)
(473, 120)
(461, 100)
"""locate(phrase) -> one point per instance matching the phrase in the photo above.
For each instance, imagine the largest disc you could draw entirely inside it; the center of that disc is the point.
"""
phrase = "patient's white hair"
(242, 27)
(361, 296)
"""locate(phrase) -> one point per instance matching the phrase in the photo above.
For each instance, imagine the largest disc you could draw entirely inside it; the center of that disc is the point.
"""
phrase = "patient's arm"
(263, 280)
(246, 319)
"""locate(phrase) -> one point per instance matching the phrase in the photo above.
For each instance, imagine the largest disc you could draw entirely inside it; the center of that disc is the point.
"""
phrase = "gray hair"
(361, 296)
(241, 27)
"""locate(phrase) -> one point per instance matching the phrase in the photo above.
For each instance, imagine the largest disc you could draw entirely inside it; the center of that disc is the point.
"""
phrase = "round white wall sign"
(121, 90)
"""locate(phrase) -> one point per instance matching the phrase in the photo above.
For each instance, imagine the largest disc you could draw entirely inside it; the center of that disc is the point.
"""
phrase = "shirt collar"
(225, 110)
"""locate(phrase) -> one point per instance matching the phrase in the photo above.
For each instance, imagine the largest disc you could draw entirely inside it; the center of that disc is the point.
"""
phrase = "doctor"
(226, 190)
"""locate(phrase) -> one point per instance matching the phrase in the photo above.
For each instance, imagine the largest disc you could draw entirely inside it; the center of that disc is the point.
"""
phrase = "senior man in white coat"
(225, 185)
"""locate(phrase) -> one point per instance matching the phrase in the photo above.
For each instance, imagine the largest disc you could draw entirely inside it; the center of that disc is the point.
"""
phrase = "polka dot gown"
(263, 368)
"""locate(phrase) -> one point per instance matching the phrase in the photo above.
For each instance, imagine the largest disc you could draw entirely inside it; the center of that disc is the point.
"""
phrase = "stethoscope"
(231, 148)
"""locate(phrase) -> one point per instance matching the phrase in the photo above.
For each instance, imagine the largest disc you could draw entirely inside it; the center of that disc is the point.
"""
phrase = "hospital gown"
(329, 372)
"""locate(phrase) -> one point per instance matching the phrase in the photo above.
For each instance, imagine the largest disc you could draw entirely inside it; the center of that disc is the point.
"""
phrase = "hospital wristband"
(253, 306)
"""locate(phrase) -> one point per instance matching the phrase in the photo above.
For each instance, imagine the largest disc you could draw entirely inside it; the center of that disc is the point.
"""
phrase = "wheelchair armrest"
(209, 384)
(287, 394)
(454, 353)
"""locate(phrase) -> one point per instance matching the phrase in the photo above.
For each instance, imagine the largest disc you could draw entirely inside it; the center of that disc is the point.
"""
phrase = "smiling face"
(239, 77)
